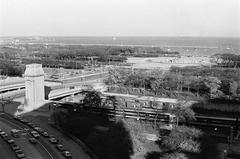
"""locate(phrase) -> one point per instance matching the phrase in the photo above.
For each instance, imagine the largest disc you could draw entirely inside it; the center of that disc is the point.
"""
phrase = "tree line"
(81, 53)
(226, 60)
(11, 68)
(203, 82)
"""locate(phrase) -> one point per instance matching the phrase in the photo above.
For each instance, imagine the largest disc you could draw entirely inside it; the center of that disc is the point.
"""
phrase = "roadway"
(38, 151)
(43, 149)
(57, 91)
(13, 84)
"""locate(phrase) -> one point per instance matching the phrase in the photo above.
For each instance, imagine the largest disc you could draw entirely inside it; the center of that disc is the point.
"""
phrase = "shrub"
(175, 155)
(182, 138)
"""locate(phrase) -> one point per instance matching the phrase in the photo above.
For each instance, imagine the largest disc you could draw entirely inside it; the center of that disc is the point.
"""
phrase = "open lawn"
(167, 62)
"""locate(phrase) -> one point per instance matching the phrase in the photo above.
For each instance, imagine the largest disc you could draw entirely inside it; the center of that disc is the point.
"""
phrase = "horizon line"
(150, 36)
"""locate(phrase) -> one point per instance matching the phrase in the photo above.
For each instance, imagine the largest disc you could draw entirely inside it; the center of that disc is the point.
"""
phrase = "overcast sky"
(120, 18)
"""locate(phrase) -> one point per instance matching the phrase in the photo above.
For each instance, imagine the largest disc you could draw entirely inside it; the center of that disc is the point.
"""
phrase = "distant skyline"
(200, 18)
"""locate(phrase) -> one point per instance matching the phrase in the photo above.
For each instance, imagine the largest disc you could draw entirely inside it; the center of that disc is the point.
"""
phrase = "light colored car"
(53, 140)
(67, 154)
(35, 134)
(20, 154)
(60, 147)
(45, 134)
(3, 133)
(10, 141)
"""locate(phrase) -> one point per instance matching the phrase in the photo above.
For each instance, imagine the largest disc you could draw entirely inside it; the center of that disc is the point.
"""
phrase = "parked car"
(51, 136)
(5, 137)
(3, 134)
(10, 141)
(45, 134)
(38, 129)
(35, 134)
(19, 153)
(31, 124)
(60, 147)
(15, 132)
(67, 154)
(32, 140)
(17, 117)
(26, 129)
(15, 147)
(24, 121)
(53, 140)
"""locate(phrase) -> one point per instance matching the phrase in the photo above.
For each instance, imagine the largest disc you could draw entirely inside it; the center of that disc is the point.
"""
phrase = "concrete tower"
(34, 86)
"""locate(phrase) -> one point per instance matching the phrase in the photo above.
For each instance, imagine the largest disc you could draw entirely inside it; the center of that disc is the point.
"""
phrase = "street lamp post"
(224, 153)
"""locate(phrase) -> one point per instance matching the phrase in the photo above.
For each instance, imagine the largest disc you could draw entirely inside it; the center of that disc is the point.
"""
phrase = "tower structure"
(34, 86)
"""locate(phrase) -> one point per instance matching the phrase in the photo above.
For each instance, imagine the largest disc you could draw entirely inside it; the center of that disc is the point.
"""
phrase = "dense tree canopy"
(11, 68)
(226, 60)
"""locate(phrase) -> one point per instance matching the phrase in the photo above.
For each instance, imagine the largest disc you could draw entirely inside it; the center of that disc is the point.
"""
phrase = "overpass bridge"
(12, 84)
(12, 87)
(56, 91)
(60, 93)
(19, 83)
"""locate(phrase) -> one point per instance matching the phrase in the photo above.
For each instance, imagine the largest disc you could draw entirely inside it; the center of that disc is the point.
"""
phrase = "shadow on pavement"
(107, 137)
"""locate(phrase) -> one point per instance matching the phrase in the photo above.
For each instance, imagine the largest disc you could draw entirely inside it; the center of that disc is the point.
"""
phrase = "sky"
(211, 18)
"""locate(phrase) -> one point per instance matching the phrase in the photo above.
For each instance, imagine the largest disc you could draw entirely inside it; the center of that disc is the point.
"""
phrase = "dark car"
(51, 136)
(15, 147)
(15, 133)
(32, 140)
(60, 147)
(23, 120)
(31, 124)
(17, 118)
(6, 137)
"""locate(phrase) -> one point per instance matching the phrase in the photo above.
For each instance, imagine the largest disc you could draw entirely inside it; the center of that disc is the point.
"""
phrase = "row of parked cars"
(19, 153)
(36, 131)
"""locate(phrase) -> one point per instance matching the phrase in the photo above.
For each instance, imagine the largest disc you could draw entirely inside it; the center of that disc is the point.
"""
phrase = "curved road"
(41, 150)
(46, 148)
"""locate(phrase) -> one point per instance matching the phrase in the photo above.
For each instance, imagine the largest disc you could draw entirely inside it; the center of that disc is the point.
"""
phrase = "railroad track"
(147, 115)
(159, 116)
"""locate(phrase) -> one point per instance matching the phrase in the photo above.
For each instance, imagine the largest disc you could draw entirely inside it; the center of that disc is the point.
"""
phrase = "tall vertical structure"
(34, 86)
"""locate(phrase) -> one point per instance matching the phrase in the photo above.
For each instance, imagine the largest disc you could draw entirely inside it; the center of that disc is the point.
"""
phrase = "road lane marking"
(29, 135)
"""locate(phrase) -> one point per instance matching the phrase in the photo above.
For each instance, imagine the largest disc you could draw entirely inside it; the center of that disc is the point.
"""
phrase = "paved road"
(31, 151)
(42, 120)
(76, 150)
(41, 150)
